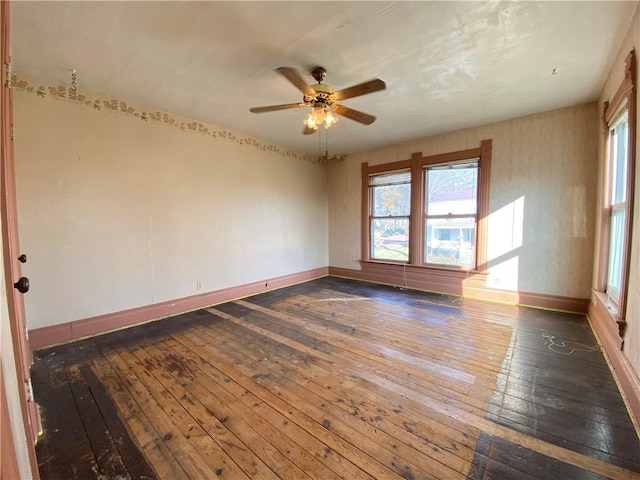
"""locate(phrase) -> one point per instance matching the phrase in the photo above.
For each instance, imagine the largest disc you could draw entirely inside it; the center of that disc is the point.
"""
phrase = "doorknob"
(22, 285)
(22, 258)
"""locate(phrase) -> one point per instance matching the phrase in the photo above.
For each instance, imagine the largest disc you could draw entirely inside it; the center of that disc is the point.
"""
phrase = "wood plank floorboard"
(333, 379)
(516, 409)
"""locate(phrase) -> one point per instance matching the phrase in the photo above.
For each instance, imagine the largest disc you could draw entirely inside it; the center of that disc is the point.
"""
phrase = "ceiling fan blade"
(360, 89)
(356, 115)
(296, 79)
(309, 131)
(273, 108)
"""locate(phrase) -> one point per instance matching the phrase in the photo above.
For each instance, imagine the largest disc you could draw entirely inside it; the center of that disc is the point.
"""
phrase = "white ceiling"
(447, 65)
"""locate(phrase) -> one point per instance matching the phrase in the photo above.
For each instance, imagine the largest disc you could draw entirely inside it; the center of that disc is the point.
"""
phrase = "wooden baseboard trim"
(456, 282)
(606, 329)
(553, 302)
(66, 332)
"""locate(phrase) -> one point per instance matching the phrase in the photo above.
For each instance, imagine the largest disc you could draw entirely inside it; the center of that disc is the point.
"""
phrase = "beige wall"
(632, 334)
(542, 199)
(116, 212)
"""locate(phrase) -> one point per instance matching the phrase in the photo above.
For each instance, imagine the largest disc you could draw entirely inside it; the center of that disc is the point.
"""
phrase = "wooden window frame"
(625, 97)
(417, 163)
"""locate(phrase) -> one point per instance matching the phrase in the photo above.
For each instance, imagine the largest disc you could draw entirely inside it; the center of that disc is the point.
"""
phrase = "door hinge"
(13, 132)
(8, 70)
(29, 389)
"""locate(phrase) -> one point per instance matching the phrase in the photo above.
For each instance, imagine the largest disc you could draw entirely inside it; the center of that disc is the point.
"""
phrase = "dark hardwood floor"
(337, 379)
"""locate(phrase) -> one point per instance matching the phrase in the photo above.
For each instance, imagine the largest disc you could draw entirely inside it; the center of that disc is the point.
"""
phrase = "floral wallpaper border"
(62, 92)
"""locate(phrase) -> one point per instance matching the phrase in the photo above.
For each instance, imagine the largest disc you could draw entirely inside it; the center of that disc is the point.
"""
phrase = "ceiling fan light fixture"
(330, 119)
(319, 115)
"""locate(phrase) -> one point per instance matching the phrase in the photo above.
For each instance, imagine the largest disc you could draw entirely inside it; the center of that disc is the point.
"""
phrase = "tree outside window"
(390, 211)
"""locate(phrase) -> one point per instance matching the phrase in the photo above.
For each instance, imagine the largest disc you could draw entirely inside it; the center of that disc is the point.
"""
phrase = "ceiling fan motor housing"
(323, 95)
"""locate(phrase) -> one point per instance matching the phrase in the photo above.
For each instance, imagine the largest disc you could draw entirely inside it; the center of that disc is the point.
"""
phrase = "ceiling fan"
(323, 100)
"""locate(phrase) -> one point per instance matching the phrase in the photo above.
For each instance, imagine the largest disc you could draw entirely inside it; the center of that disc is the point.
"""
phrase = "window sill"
(460, 271)
(611, 311)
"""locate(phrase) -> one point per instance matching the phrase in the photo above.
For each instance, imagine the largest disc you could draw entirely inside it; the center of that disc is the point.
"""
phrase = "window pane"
(392, 200)
(390, 238)
(616, 243)
(619, 160)
(452, 191)
(450, 241)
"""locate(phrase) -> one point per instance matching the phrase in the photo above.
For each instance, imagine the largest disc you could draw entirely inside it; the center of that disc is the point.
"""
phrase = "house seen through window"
(451, 199)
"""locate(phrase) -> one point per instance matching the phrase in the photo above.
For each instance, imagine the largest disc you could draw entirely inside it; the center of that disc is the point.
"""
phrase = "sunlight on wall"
(505, 240)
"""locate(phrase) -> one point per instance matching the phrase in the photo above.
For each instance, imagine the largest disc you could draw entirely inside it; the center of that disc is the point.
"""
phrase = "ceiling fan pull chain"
(326, 144)
(320, 148)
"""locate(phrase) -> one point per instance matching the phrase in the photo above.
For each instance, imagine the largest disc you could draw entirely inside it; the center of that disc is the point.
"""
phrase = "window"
(390, 210)
(451, 195)
(617, 205)
(428, 211)
(618, 172)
